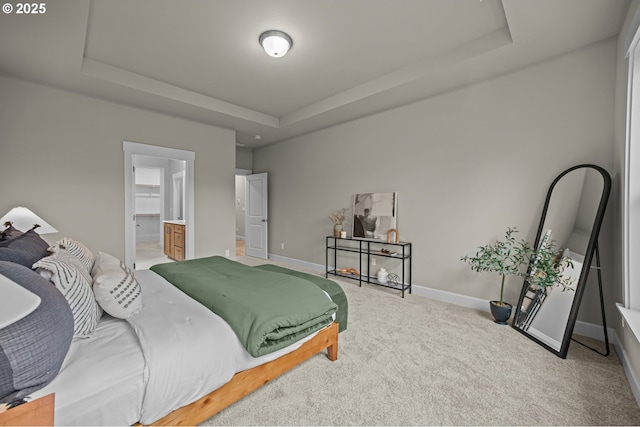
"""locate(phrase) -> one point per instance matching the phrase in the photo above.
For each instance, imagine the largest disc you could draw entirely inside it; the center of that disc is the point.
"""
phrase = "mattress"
(127, 372)
(101, 381)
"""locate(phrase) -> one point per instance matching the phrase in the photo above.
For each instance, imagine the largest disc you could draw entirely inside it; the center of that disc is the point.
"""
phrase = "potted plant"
(505, 257)
(338, 217)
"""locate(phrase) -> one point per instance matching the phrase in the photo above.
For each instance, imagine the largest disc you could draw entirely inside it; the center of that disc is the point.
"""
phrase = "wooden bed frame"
(247, 381)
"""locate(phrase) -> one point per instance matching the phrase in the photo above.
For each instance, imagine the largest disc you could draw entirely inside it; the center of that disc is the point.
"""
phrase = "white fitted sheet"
(101, 381)
(110, 379)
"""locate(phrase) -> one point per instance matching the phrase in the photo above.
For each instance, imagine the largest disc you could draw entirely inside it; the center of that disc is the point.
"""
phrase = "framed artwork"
(374, 214)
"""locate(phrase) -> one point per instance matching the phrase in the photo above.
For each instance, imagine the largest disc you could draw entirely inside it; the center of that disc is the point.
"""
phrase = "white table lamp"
(15, 301)
(23, 219)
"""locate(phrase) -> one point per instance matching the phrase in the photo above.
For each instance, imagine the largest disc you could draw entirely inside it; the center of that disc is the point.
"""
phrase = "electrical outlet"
(281, 245)
(373, 261)
(226, 253)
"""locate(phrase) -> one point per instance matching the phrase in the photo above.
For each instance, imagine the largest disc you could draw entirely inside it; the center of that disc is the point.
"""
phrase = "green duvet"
(334, 290)
(267, 310)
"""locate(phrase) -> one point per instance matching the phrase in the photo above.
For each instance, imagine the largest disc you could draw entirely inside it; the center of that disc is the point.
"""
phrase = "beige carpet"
(417, 361)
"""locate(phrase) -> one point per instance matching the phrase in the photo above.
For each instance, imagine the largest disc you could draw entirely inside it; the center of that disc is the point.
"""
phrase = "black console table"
(401, 251)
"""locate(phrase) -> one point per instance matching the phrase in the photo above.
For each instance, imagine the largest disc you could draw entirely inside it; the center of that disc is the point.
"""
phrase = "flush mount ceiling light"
(275, 43)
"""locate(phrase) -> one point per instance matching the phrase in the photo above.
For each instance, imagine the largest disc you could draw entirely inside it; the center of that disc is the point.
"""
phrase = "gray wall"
(63, 158)
(465, 164)
(244, 158)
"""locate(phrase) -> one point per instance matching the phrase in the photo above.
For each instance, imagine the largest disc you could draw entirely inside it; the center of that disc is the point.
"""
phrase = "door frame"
(132, 149)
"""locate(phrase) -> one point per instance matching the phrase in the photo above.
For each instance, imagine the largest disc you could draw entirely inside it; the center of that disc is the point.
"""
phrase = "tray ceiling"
(201, 59)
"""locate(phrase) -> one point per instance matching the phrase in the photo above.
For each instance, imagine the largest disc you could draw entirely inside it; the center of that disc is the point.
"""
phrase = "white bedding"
(101, 380)
(170, 354)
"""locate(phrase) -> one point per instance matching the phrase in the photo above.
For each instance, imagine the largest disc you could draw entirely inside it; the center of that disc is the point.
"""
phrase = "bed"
(176, 362)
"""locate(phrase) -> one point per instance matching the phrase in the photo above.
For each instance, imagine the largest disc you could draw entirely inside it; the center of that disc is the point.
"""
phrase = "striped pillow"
(77, 249)
(70, 277)
(115, 287)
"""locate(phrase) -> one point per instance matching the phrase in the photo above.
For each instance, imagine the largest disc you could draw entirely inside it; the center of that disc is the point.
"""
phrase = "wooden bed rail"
(38, 412)
(247, 381)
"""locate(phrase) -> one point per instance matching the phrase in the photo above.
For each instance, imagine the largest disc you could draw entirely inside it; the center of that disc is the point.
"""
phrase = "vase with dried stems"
(338, 217)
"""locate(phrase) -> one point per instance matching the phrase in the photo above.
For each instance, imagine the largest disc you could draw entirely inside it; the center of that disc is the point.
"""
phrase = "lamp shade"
(275, 43)
(15, 301)
(23, 219)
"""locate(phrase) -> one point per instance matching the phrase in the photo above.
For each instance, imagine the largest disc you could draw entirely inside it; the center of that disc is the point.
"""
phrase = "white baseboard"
(592, 331)
(582, 328)
(437, 294)
(453, 298)
(634, 382)
(298, 263)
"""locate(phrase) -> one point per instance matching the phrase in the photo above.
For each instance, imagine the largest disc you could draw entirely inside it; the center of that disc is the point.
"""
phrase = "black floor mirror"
(571, 217)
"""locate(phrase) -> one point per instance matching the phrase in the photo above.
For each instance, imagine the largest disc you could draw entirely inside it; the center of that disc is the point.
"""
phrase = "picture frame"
(374, 214)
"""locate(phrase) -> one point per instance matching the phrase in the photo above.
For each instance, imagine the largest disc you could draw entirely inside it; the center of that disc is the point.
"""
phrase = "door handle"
(264, 220)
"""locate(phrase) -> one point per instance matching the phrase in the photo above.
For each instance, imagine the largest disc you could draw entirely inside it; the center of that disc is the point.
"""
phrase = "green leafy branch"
(508, 257)
(547, 269)
(505, 257)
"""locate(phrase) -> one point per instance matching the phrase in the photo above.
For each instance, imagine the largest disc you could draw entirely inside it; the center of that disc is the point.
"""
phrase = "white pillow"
(77, 249)
(115, 287)
(70, 277)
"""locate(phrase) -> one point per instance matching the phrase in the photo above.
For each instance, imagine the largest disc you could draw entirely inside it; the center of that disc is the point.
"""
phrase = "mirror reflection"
(570, 222)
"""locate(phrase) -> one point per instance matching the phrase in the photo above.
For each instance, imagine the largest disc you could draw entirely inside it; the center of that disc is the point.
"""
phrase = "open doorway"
(170, 200)
(149, 202)
(159, 197)
(240, 205)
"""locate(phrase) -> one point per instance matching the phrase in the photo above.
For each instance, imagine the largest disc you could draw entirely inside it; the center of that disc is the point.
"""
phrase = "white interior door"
(256, 229)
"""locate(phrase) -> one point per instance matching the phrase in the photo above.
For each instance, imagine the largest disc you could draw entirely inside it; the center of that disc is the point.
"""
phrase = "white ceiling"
(200, 59)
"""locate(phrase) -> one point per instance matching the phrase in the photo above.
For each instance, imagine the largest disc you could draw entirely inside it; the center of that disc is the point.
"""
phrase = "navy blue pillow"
(10, 233)
(14, 255)
(26, 249)
(32, 349)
